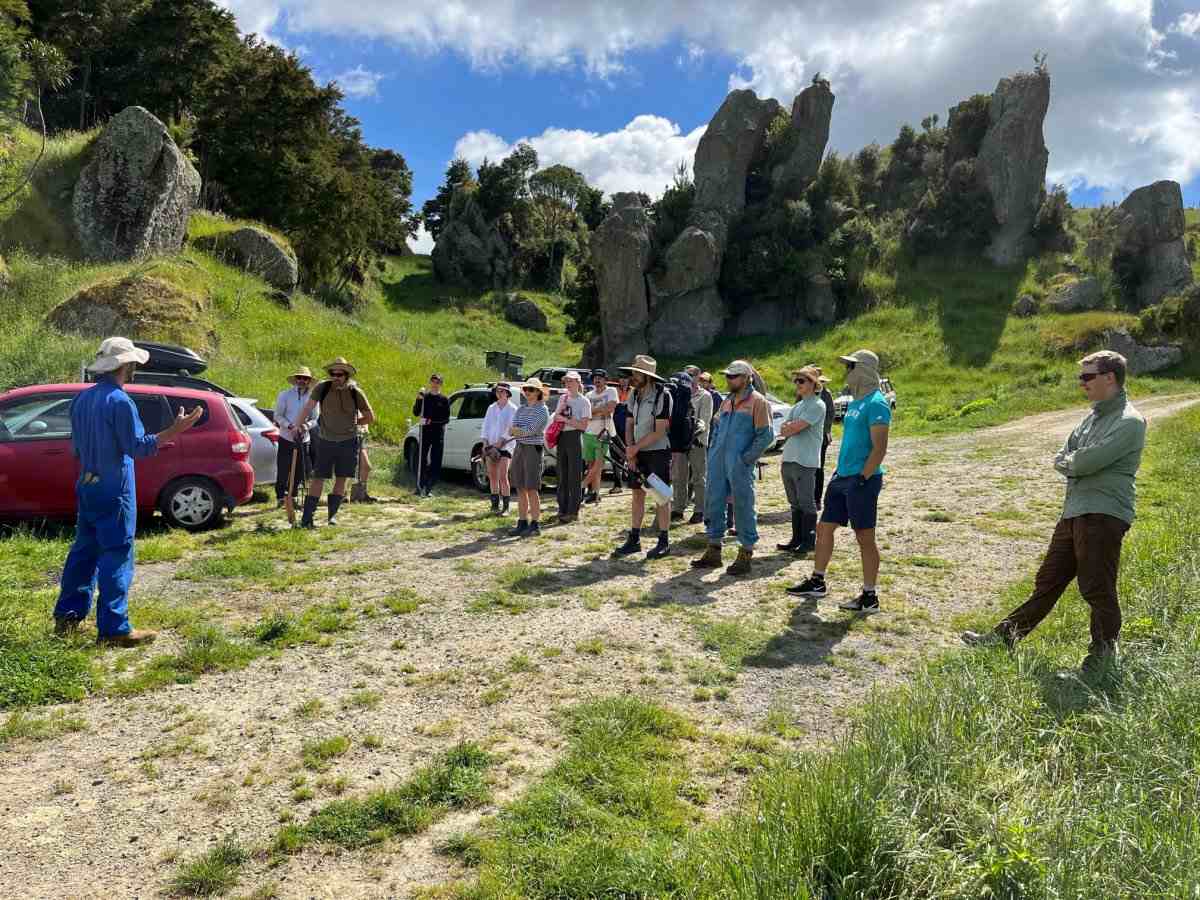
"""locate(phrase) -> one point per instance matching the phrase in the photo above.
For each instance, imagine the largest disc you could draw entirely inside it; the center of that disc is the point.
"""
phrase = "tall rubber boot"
(335, 502)
(796, 540)
(495, 504)
(310, 510)
(808, 533)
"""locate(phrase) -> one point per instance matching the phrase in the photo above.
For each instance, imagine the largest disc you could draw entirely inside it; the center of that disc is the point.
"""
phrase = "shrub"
(1050, 229)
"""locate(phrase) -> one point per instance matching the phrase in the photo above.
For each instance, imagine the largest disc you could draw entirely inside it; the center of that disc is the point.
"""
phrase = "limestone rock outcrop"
(135, 195)
(259, 252)
(524, 313)
(1012, 161)
(812, 112)
(1076, 295)
(732, 140)
(621, 254)
(687, 324)
(1152, 236)
(471, 252)
(1142, 359)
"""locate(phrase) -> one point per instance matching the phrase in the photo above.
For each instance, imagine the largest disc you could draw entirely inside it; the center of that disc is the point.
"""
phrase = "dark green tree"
(436, 209)
(556, 191)
(394, 199)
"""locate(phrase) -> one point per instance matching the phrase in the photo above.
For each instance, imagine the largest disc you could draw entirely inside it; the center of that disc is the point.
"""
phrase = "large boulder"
(621, 254)
(1025, 306)
(261, 253)
(137, 306)
(1012, 160)
(134, 196)
(729, 145)
(1152, 237)
(524, 313)
(688, 323)
(1142, 359)
(812, 111)
(692, 262)
(470, 251)
(769, 317)
(1076, 295)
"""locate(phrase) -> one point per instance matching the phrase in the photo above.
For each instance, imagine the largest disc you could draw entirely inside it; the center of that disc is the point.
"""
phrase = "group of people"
(714, 463)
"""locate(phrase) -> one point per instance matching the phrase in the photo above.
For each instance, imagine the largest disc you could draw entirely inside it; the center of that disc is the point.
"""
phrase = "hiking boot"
(65, 625)
(535, 530)
(866, 603)
(135, 638)
(661, 549)
(631, 546)
(615, 489)
(987, 639)
(1099, 659)
(519, 531)
(741, 565)
(812, 587)
(504, 505)
(697, 518)
(591, 498)
(711, 558)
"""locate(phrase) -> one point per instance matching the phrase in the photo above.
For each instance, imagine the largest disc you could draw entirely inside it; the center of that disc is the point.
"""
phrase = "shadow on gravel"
(807, 640)
(689, 588)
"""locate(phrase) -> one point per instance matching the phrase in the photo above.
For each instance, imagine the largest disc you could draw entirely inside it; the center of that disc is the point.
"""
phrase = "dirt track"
(164, 775)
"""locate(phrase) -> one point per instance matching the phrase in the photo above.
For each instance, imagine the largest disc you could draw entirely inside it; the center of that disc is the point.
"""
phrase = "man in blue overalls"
(107, 435)
(740, 436)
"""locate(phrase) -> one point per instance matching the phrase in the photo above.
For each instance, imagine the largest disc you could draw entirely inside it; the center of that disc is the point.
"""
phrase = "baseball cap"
(599, 373)
(435, 377)
(865, 358)
(739, 367)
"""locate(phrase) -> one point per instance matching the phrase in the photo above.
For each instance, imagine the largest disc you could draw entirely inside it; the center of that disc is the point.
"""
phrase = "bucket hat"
(341, 363)
(115, 352)
(301, 372)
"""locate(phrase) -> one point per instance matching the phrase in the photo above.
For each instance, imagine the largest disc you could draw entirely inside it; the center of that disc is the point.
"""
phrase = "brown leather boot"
(711, 558)
(741, 565)
(135, 638)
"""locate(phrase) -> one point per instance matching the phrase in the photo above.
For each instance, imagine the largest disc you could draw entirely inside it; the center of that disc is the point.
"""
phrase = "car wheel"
(479, 472)
(410, 458)
(192, 503)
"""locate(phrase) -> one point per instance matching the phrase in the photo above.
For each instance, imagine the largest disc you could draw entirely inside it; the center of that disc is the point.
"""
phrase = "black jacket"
(436, 409)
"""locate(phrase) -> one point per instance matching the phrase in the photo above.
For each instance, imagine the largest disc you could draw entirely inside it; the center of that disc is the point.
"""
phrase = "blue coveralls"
(107, 434)
(733, 448)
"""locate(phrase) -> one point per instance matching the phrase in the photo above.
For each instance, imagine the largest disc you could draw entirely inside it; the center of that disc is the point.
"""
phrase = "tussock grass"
(212, 873)
(456, 779)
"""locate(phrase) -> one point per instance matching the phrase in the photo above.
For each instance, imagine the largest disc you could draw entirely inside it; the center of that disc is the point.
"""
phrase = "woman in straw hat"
(529, 430)
(498, 445)
(344, 407)
(292, 438)
(647, 451)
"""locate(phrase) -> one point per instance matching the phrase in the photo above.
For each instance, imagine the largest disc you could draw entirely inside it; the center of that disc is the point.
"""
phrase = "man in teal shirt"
(1100, 461)
(853, 495)
(804, 431)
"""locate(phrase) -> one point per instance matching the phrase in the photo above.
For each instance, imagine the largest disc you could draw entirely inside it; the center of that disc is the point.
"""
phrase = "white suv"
(842, 400)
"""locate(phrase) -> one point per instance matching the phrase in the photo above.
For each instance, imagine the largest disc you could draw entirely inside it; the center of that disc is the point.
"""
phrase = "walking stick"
(420, 444)
(289, 502)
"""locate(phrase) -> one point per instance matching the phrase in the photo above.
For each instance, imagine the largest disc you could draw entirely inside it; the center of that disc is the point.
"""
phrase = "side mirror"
(37, 427)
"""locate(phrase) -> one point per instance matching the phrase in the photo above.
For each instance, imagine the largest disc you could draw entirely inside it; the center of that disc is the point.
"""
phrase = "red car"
(191, 479)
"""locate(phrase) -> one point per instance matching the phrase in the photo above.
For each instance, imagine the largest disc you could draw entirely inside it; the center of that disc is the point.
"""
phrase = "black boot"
(504, 505)
(794, 543)
(335, 503)
(519, 531)
(495, 504)
(633, 544)
(310, 510)
(808, 533)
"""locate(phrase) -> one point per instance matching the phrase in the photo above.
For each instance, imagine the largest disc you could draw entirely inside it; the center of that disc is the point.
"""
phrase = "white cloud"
(642, 156)
(359, 82)
(422, 241)
(255, 16)
(1123, 104)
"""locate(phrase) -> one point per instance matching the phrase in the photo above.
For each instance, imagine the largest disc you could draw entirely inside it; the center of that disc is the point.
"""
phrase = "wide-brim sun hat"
(301, 372)
(866, 358)
(537, 385)
(115, 352)
(647, 365)
(341, 363)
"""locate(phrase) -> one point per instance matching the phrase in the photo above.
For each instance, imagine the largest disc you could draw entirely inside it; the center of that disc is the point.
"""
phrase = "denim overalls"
(734, 441)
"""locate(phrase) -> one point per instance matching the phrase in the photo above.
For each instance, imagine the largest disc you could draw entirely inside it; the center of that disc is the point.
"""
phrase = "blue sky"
(621, 89)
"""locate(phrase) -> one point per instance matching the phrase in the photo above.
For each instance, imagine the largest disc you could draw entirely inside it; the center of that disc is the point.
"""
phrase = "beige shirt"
(339, 414)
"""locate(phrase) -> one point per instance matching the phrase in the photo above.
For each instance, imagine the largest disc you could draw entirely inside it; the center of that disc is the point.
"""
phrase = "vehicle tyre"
(479, 473)
(410, 458)
(192, 503)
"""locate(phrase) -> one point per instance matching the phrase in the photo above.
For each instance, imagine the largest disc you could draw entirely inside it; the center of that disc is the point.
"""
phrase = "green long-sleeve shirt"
(1101, 459)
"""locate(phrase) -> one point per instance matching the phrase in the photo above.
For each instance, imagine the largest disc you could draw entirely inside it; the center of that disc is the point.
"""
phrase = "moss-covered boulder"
(137, 306)
(260, 253)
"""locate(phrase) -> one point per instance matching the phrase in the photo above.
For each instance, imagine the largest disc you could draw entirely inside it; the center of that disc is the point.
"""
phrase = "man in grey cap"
(852, 497)
(107, 435)
(1100, 461)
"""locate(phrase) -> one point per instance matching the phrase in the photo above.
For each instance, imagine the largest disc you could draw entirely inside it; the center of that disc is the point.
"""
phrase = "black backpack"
(682, 430)
(322, 391)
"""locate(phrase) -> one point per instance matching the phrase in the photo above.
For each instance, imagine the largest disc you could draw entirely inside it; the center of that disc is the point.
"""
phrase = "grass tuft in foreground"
(213, 873)
(457, 779)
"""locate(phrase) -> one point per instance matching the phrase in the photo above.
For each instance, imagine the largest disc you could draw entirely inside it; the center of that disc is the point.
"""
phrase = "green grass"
(987, 776)
(20, 726)
(456, 779)
(215, 872)
(318, 755)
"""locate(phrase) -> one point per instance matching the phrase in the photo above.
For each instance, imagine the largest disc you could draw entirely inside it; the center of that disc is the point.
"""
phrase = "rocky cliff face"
(621, 253)
(1152, 240)
(1012, 161)
(812, 113)
(134, 197)
(469, 251)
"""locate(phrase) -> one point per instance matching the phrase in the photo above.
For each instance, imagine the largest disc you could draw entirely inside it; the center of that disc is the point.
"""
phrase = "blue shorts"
(848, 500)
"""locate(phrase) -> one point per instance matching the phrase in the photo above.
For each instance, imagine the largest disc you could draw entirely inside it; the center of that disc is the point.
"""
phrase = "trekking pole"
(420, 444)
(289, 502)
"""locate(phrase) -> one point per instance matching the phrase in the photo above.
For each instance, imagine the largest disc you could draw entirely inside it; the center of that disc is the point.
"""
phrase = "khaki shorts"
(525, 474)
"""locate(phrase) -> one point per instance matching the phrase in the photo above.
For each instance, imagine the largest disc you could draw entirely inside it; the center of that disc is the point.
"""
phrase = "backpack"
(717, 400)
(682, 430)
(324, 387)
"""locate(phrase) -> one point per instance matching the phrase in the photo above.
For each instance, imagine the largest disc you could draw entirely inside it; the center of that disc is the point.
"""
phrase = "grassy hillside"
(409, 327)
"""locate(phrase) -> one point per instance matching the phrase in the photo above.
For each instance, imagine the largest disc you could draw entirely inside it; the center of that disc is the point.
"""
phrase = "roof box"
(169, 358)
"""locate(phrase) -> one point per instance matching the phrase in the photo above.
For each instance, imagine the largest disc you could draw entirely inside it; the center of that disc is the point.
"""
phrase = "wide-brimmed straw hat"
(301, 372)
(341, 363)
(536, 384)
(115, 352)
(647, 365)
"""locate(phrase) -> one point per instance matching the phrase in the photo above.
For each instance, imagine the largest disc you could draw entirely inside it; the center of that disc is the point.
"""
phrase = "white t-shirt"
(602, 398)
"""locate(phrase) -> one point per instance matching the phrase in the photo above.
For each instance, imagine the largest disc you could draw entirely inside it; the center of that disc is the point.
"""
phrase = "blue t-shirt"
(872, 409)
(804, 447)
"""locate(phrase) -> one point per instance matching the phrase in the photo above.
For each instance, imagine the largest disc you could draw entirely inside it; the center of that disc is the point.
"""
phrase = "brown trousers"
(1087, 548)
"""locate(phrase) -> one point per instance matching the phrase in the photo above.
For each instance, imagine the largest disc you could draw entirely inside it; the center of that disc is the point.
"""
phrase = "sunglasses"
(1085, 377)
(304, 378)
(850, 365)
(340, 374)
(529, 390)
(799, 381)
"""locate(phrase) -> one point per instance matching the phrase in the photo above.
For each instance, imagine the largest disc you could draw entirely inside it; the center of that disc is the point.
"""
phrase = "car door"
(459, 437)
(38, 469)
(153, 472)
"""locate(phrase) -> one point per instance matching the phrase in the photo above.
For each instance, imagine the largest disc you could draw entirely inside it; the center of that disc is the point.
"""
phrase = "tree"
(504, 186)
(14, 68)
(394, 199)
(556, 191)
(437, 208)
(592, 207)
(49, 71)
